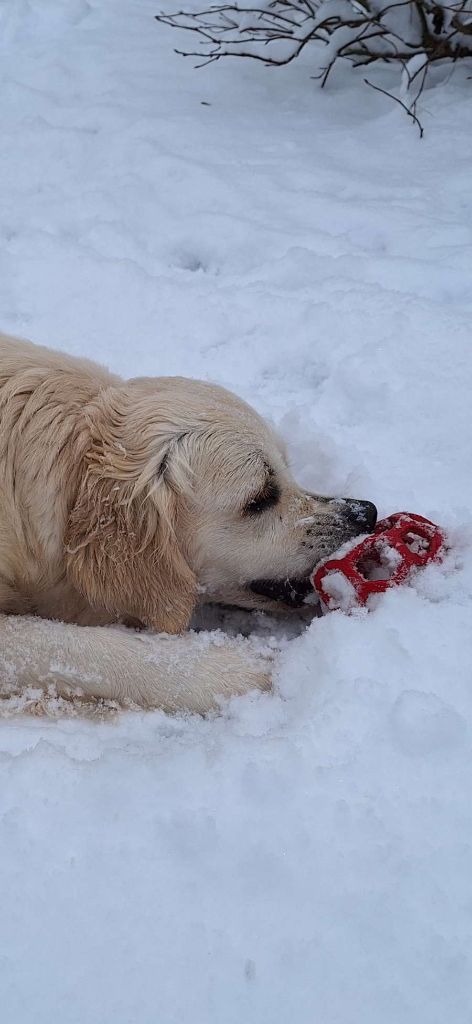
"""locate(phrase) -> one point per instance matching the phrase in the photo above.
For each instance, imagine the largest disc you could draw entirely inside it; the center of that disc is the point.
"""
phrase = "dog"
(128, 502)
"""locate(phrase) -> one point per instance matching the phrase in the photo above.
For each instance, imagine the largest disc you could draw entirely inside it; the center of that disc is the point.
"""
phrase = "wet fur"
(124, 501)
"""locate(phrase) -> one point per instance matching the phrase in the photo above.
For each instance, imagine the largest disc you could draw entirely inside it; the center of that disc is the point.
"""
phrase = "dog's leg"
(174, 673)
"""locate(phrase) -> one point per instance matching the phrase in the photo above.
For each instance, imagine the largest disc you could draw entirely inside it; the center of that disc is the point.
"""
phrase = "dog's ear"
(121, 549)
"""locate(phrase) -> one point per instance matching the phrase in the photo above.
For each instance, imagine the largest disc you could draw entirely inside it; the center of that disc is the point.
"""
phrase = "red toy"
(401, 543)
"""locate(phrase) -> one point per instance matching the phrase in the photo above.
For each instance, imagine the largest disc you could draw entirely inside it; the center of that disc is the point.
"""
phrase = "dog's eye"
(263, 501)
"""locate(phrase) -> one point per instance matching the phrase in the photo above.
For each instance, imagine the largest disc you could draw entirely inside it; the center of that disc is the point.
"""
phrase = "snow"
(340, 590)
(306, 855)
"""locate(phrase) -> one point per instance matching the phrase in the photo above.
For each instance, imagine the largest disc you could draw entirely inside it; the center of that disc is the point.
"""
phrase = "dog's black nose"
(360, 514)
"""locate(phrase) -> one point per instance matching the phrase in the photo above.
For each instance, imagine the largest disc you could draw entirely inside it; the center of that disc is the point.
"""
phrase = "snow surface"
(306, 856)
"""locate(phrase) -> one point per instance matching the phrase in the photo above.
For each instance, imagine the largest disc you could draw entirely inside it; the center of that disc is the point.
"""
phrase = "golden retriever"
(130, 501)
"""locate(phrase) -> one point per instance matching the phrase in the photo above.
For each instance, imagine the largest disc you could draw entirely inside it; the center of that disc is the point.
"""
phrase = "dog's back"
(42, 398)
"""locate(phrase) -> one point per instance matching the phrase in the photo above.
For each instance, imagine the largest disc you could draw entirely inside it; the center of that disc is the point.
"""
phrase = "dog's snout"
(360, 514)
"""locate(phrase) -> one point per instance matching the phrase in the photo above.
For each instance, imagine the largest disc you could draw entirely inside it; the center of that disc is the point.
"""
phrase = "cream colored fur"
(175, 673)
(124, 501)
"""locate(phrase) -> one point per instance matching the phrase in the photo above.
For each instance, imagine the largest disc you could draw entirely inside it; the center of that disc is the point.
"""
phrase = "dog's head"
(186, 492)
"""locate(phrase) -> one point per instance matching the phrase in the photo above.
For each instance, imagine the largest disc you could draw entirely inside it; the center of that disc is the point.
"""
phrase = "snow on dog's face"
(252, 535)
(187, 495)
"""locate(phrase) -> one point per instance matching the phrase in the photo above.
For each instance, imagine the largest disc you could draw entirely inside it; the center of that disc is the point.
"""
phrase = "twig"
(407, 109)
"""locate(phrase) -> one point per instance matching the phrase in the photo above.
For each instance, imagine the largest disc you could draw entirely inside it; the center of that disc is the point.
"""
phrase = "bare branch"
(396, 99)
(360, 31)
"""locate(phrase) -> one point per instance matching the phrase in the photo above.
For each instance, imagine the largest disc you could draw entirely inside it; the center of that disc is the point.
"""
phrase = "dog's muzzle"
(357, 517)
(361, 516)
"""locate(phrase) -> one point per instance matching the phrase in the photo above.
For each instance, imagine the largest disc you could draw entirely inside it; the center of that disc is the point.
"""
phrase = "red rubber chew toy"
(401, 543)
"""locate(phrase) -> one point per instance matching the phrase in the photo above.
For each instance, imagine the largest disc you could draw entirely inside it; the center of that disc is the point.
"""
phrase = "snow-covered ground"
(307, 856)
